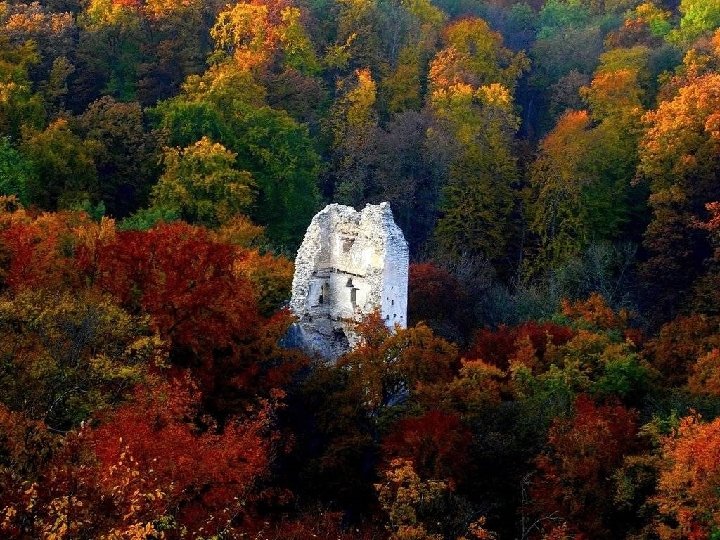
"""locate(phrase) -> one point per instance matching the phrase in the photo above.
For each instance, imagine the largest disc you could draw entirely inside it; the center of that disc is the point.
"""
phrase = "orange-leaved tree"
(687, 497)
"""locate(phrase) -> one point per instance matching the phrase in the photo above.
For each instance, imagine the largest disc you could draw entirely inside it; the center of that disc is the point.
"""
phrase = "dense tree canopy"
(555, 168)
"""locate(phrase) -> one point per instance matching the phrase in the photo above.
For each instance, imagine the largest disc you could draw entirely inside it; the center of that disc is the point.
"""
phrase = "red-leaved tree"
(574, 478)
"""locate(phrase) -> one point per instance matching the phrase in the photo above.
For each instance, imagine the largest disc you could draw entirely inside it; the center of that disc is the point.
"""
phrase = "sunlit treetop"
(100, 13)
(698, 17)
(357, 104)
(655, 18)
(202, 184)
(252, 33)
(689, 479)
(474, 54)
(681, 132)
(425, 11)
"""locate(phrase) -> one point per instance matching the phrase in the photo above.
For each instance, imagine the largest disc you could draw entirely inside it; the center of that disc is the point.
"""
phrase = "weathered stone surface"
(349, 264)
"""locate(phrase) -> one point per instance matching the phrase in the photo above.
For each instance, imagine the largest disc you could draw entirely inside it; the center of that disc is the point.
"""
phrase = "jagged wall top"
(356, 242)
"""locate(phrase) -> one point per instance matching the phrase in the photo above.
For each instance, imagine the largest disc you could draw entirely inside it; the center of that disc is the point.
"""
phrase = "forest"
(555, 168)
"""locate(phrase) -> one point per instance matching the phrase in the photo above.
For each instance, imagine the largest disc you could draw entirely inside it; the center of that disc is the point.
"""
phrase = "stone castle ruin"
(350, 264)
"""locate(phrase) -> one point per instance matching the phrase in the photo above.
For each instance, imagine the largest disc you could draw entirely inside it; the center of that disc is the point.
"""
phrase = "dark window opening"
(340, 338)
(324, 293)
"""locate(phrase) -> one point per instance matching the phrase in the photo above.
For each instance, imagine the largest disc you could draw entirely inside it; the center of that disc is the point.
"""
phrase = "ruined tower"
(349, 264)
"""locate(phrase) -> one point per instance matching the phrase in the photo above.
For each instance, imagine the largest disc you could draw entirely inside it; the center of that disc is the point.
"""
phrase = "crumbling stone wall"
(349, 264)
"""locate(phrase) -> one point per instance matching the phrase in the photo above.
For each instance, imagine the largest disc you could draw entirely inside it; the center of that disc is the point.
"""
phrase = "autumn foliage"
(554, 166)
(121, 339)
(573, 479)
(687, 489)
(499, 347)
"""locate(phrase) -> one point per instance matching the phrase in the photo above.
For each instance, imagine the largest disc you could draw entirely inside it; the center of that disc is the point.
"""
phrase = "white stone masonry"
(349, 264)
